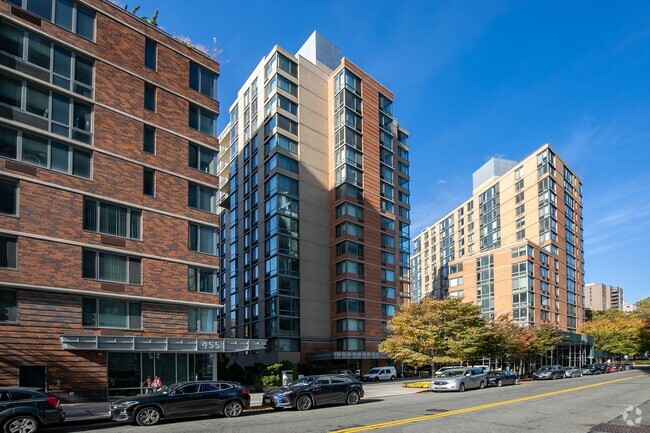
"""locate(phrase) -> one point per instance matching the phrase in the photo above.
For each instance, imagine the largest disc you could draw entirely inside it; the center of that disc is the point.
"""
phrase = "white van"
(380, 373)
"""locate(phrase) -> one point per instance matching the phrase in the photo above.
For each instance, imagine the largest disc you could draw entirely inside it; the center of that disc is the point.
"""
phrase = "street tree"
(435, 331)
(617, 332)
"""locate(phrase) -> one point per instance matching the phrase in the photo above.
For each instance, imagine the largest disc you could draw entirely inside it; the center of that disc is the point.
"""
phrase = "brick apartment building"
(108, 227)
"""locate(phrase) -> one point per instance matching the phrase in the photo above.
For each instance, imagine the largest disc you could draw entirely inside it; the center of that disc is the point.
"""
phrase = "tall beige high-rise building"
(314, 210)
(601, 297)
(514, 247)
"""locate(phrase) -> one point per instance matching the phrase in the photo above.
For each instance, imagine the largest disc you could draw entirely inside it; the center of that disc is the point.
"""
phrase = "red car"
(611, 369)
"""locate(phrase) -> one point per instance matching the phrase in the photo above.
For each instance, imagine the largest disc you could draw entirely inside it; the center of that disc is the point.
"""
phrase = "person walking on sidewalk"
(156, 384)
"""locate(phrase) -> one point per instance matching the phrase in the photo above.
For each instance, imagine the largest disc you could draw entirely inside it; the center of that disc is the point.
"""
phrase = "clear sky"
(475, 79)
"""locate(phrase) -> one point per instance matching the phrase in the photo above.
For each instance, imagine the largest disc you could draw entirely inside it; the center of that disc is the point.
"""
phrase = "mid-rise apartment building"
(601, 297)
(108, 183)
(514, 247)
(314, 176)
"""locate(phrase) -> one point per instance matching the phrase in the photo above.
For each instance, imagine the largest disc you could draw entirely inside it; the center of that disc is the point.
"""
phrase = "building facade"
(514, 247)
(601, 297)
(314, 210)
(108, 224)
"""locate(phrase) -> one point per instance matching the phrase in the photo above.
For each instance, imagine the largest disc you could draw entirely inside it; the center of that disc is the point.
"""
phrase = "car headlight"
(126, 404)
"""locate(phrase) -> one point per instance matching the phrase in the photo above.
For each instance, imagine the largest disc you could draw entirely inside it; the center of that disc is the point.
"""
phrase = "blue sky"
(479, 79)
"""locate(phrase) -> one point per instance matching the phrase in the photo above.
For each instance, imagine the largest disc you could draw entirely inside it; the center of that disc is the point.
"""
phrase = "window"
(282, 161)
(8, 306)
(519, 210)
(47, 109)
(282, 184)
(387, 310)
(200, 197)
(202, 239)
(203, 120)
(8, 197)
(149, 97)
(521, 234)
(150, 54)
(350, 325)
(349, 209)
(202, 159)
(387, 292)
(349, 228)
(388, 275)
(202, 320)
(350, 305)
(280, 141)
(203, 80)
(8, 252)
(149, 182)
(349, 267)
(149, 139)
(61, 13)
(519, 197)
(349, 247)
(111, 313)
(111, 219)
(201, 280)
(349, 286)
(346, 79)
(387, 240)
(111, 267)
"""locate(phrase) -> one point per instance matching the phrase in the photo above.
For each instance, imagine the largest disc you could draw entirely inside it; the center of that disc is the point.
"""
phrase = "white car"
(380, 373)
(441, 369)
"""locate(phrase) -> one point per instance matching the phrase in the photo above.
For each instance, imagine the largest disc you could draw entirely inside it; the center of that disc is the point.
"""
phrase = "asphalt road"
(566, 406)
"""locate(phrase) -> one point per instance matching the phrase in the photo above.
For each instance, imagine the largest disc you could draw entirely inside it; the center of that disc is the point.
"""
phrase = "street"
(568, 405)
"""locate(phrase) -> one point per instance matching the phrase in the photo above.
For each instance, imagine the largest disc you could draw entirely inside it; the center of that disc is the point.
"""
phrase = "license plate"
(439, 387)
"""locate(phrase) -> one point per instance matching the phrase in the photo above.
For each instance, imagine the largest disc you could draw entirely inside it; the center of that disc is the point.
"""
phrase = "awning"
(327, 356)
(159, 344)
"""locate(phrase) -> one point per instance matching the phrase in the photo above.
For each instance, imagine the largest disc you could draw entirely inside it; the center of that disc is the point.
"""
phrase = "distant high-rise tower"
(515, 247)
(314, 209)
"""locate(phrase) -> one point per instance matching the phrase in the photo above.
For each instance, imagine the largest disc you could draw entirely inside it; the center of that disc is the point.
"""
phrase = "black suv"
(182, 400)
(25, 410)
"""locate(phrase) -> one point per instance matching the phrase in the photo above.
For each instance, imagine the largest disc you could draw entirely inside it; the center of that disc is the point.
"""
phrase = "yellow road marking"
(475, 408)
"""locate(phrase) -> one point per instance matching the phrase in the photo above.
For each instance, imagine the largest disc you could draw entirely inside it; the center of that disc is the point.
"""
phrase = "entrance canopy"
(160, 344)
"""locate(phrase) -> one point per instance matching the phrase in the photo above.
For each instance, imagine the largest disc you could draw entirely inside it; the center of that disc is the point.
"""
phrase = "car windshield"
(451, 373)
(545, 368)
(374, 371)
(302, 381)
(493, 373)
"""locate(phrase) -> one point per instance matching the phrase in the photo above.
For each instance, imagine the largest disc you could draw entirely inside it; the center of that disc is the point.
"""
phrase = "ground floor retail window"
(128, 372)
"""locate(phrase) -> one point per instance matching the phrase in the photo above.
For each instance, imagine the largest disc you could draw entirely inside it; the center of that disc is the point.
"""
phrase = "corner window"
(203, 81)
(202, 120)
(8, 306)
(201, 280)
(202, 158)
(111, 267)
(8, 252)
(150, 54)
(64, 13)
(200, 197)
(202, 239)
(111, 313)
(201, 320)
(8, 197)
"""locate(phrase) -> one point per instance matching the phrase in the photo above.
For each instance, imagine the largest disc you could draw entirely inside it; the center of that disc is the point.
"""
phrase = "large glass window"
(8, 306)
(282, 184)
(44, 153)
(111, 313)
(202, 120)
(280, 140)
(349, 209)
(200, 197)
(282, 161)
(350, 305)
(201, 280)
(202, 239)
(203, 80)
(111, 267)
(350, 286)
(202, 320)
(350, 325)
(111, 219)
(8, 252)
(8, 197)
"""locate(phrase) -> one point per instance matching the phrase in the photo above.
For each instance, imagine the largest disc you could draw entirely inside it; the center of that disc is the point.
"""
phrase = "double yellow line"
(475, 408)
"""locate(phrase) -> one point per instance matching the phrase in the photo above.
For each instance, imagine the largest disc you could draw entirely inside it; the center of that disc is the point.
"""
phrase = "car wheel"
(148, 416)
(481, 385)
(499, 382)
(233, 409)
(353, 398)
(21, 424)
(304, 402)
(461, 388)
(392, 378)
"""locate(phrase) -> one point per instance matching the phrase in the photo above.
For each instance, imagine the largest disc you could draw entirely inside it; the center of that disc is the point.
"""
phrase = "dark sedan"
(310, 391)
(549, 372)
(503, 377)
(25, 410)
(181, 400)
(590, 369)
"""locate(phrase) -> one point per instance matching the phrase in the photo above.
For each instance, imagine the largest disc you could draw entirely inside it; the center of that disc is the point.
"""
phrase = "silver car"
(572, 372)
(459, 379)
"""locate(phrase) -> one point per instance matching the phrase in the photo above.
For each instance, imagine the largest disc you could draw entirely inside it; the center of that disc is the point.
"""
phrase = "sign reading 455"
(210, 345)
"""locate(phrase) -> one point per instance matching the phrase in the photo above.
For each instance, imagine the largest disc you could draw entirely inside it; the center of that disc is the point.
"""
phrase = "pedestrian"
(147, 385)
(156, 384)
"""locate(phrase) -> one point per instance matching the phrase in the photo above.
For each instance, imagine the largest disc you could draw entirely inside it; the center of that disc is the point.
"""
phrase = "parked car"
(459, 379)
(628, 366)
(549, 372)
(344, 372)
(181, 400)
(441, 369)
(380, 373)
(590, 369)
(611, 369)
(310, 391)
(572, 372)
(25, 410)
(602, 368)
(503, 377)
